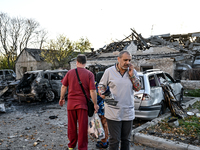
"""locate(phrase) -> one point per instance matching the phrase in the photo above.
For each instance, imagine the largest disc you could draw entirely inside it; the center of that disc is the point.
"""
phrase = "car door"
(138, 95)
(55, 82)
(176, 87)
(41, 84)
(156, 92)
(44, 81)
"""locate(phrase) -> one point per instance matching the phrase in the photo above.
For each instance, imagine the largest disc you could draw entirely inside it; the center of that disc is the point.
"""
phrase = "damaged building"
(28, 60)
(174, 54)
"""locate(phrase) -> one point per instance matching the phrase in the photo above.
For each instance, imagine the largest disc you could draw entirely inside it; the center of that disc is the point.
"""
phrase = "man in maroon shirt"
(77, 103)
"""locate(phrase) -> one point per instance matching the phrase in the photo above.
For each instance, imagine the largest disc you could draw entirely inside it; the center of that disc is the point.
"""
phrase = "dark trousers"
(119, 131)
(80, 115)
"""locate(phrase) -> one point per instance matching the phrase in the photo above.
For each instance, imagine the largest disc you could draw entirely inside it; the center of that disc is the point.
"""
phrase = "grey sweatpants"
(119, 131)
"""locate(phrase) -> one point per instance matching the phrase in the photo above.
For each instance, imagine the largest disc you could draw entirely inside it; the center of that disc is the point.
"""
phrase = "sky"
(104, 21)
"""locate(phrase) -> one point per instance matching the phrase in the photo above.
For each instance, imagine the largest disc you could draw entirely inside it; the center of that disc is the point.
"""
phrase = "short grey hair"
(122, 52)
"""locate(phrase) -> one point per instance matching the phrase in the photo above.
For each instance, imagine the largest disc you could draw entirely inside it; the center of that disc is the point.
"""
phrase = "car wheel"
(163, 108)
(50, 95)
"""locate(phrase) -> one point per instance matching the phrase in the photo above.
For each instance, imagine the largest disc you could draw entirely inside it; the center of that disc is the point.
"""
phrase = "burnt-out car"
(8, 88)
(41, 84)
(7, 75)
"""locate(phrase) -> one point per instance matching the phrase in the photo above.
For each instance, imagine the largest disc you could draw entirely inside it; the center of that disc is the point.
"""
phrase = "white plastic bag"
(95, 128)
(92, 130)
(99, 127)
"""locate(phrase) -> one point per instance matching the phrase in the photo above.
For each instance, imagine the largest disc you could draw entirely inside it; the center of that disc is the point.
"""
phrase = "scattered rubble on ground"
(188, 132)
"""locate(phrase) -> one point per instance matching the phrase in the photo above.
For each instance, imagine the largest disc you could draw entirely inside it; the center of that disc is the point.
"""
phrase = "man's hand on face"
(130, 72)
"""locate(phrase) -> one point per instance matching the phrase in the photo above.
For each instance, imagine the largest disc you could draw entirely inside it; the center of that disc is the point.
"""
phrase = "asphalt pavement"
(43, 126)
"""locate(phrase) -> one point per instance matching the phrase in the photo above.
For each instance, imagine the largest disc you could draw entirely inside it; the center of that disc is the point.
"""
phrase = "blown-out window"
(152, 81)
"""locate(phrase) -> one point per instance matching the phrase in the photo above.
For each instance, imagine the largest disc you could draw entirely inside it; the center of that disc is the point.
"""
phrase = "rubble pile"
(186, 43)
(7, 88)
(183, 48)
(189, 43)
(119, 46)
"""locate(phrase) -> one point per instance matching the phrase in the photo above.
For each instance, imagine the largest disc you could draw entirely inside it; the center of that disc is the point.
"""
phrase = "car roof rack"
(151, 70)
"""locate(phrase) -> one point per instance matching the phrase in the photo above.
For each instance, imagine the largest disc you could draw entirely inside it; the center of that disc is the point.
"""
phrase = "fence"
(191, 84)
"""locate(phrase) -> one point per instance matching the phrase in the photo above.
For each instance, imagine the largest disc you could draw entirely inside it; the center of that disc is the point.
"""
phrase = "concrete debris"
(182, 49)
(8, 87)
(185, 43)
(4, 90)
(2, 108)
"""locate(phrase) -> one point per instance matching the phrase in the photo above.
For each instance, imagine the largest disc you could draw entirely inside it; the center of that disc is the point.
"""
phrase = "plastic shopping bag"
(95, 128)
(99, 126)
(92, 130)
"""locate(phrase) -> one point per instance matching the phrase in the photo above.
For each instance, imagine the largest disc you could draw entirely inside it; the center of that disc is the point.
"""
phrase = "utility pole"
(152, 29)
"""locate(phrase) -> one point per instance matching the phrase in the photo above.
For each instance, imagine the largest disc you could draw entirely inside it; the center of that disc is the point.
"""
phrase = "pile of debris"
(185, 47)
(7, 90)
(189, 43)
(186, 43)
(95, 69)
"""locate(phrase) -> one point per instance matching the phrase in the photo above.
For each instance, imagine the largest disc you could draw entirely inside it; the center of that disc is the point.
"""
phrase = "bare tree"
(4, 25)
(16, 34)
(41, 38)
(29, 28)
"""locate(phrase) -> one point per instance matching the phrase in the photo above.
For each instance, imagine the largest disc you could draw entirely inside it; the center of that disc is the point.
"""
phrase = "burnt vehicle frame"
(41, 84)
(8, 88)
(8, 83)
(7, 75)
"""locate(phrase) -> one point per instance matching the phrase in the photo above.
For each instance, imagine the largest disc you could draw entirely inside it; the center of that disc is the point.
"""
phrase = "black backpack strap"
(81, 84)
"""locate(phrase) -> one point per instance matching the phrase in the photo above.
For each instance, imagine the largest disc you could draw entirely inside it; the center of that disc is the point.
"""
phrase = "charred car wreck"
(40, 84)
(8, 82)
(7, 88)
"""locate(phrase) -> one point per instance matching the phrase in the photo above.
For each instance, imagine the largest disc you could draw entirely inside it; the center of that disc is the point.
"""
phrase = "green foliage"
(192, 93)
(4, 63)
(57, 51)
(83, 45)
(188, 126)
(61, 51)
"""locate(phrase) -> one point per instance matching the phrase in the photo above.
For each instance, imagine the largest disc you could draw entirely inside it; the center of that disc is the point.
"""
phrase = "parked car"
(7, 75)
(41, 84)
(149, 101)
